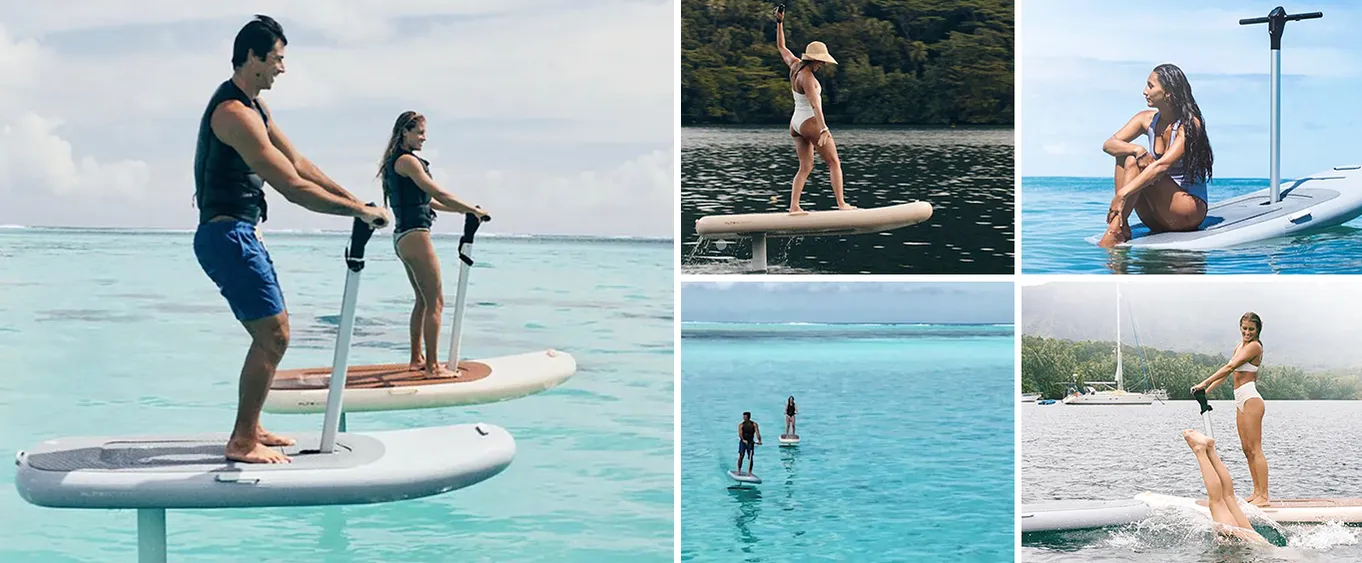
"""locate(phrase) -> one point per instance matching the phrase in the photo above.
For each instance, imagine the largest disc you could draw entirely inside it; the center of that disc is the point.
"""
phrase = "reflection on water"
(967, 176)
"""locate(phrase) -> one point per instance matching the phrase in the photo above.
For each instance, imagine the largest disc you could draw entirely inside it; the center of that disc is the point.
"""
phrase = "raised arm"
(241, 129)
(785, 54)
(1241, 357)
(1152, 170)
(407, 165)
(306, 168)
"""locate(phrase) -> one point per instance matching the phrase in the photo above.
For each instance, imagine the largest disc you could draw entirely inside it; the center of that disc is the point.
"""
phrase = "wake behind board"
(831, 222)
(382, 387)
(1322, 200)
(744, 477)
(1080, 514)
(789, 440)
(191, 471)
(1282, 511)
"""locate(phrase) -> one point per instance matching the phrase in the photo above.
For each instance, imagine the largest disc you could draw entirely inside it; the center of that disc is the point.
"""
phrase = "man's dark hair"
(747, 414)
(257, 35)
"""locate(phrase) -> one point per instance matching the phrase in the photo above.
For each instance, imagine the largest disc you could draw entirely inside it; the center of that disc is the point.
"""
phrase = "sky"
(1083, 66)
(850, 302)
(556, 116)
(1308, 321)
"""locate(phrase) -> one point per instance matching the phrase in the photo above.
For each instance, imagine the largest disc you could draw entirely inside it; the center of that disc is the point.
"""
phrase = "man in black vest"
(240, 148)
(748, 431)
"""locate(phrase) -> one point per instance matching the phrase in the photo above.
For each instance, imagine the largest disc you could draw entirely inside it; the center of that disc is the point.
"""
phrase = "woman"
(790, 412)
(1248, 404)
(414, 198)
(1166, 184)
(1224, 507)
(807, 126)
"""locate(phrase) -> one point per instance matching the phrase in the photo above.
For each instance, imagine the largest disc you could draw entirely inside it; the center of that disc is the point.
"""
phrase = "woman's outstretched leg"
(1219, 486)
(1250, 425)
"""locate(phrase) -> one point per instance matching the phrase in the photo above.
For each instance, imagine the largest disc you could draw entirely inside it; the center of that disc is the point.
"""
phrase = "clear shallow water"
(1060, 214)
(1117, 452)
(121, 333)
(966, 174)
(906, 447)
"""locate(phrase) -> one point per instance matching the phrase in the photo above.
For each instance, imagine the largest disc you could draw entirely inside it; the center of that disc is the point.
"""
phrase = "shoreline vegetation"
(1049, 363)
(901, 62)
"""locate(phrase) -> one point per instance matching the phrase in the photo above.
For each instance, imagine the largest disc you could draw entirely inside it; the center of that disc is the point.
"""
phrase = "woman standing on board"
(1166, 184)
(1248, 404)
(414, 198)
(790, 412)
(807, 126)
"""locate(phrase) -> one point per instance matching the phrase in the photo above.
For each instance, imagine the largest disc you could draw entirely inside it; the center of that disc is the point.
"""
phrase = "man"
(747, 432)
(239, 149)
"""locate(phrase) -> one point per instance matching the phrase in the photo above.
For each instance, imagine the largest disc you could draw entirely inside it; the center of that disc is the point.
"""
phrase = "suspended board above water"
(819, 223)
(744, 477)
(191, 471)
(382, 387)
(1322, 200)
(788, 440)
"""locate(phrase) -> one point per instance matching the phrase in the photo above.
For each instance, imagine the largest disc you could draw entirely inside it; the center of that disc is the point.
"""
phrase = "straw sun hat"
(817, 51)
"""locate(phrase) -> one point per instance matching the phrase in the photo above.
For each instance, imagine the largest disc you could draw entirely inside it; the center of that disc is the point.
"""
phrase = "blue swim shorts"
(236, 260)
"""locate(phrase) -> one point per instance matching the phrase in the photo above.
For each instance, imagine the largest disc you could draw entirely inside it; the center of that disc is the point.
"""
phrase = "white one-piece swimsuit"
(803, 109)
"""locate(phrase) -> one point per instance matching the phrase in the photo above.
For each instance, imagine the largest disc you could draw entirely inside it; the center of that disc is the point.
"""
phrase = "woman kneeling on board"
(1229, 520)
(414, 198)
(807, 126)
(1248, 404)
(1166, 184)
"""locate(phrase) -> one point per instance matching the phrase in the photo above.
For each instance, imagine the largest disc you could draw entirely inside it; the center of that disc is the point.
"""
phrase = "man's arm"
(306, 168)
(242, 130)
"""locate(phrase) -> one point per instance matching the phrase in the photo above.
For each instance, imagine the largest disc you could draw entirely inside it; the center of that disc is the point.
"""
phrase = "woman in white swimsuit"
(1248, 404)
(1164, 184)
(807, 126)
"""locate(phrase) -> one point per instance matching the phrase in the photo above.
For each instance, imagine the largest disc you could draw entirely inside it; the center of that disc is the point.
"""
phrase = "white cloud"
(33, 156)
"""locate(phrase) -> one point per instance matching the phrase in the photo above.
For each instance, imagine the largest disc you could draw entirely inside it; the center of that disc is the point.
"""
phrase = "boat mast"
(1120, 380)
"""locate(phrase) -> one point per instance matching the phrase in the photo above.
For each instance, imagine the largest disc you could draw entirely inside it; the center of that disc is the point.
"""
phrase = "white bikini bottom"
(1245, 392)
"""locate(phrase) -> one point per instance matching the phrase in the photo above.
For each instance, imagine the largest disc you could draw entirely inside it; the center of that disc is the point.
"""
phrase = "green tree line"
(919, 62)
(1049, 363)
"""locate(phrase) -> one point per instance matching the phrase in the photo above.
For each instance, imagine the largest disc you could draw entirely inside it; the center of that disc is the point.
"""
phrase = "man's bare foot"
(271, 439)
(439, 370)
(254, 452)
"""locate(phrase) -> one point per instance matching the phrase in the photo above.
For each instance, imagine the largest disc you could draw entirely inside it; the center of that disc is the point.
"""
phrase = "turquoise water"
(120, 333)
(906, 447)
(1060, 214)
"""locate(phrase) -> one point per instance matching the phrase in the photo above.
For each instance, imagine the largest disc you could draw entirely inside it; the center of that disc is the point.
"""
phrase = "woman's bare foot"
(417, 364)
(796, 210)
(252, 451)
(271, 439)
(1112, 238)
(1197, 440)
(1260, 502)
(846, 206)
(439, 370)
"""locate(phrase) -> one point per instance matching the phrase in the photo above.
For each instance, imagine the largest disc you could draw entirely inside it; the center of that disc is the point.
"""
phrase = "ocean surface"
(906, 449)
(966, 174)
(120, 333)
(1116, 452)
(1060, 214)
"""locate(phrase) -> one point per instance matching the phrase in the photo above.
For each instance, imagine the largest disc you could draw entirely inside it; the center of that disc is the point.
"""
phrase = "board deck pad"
(376, 376)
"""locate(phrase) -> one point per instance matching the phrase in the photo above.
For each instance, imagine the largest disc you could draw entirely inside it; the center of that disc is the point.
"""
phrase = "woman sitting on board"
(1248, 404)
(414, 198)
(790, 412)
(807, 126)
(1166, 184)
(1224, 507)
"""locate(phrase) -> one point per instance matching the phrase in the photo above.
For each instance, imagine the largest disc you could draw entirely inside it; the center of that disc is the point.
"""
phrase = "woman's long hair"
(1197, 157)
(790, 401)
(405, 122)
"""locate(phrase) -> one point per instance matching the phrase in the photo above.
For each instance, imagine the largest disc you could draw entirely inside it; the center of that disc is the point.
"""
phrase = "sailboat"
(1111, 392)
